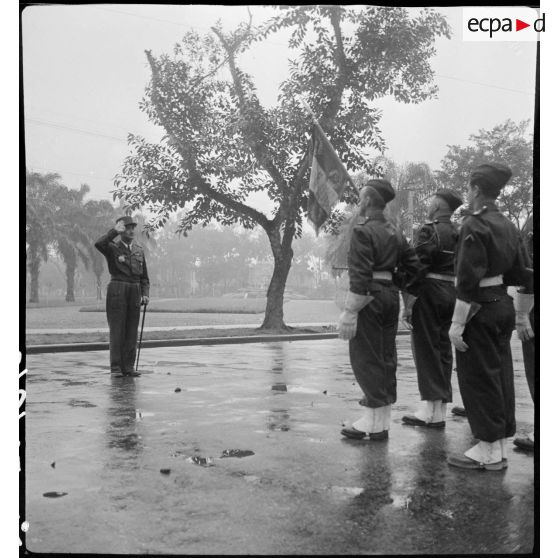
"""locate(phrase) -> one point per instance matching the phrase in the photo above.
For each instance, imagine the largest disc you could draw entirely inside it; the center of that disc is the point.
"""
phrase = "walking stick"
(141, 335)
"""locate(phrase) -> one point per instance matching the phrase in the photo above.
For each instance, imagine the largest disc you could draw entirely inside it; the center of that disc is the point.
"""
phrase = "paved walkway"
(116, 465)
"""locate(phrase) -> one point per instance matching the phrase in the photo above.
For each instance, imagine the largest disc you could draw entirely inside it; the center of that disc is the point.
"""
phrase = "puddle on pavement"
(126, 442)
(279, 387)
(80, 403)
(54, 494)
(236, 453)
(68, 383)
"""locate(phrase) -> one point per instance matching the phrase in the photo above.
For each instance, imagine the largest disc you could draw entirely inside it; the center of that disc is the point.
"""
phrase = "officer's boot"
(527, 443)
(484, 455)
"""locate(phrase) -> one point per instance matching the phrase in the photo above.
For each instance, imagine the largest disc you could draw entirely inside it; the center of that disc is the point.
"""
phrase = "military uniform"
(129, 283)
(528, 346)
(378, 255)
(432, 312)
(490, 256)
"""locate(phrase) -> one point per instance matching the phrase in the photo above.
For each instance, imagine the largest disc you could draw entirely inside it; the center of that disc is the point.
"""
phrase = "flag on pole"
(328, 179)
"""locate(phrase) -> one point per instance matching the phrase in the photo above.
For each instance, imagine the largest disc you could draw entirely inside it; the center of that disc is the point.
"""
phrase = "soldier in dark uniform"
(127, 291)
(429, 308)
(369, 320)
(528, 345)
(490, 255)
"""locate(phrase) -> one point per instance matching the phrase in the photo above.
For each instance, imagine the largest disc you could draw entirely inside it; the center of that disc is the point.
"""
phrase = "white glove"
(458, 321)
(523, 303)
(354, 303)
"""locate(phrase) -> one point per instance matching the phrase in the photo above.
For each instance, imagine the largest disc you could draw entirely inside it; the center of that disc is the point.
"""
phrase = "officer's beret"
(493, 175)
(127, 220)
(383, 187)
(451, 197)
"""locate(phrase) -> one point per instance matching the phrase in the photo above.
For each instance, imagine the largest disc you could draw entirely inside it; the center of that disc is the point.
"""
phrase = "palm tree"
(70, 239)
(40, 223)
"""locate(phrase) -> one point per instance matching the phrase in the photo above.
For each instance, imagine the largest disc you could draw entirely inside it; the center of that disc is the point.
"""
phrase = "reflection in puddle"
(278, 420)
(279, 387)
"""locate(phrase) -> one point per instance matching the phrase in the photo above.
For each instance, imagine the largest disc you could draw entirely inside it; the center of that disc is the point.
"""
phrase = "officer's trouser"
(432, 313)
(485, 371)
(372, 351)
(123, 312)
(529, 359)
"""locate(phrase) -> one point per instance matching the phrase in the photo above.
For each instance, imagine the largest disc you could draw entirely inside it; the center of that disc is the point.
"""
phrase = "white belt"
(489, 281)
(441, 277)
(385, 275)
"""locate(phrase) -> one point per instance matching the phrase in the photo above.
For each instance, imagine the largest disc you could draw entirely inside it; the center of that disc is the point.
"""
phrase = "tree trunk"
(34, 266)
(275, 292)
(70, 276)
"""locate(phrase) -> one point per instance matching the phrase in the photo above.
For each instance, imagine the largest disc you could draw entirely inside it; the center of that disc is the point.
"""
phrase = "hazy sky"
(85, 72)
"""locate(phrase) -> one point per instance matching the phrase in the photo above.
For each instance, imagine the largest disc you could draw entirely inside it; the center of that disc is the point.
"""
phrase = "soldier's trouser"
(372, 351)
(432, 313)
(529, 359)
(485, 371)
(123, 312)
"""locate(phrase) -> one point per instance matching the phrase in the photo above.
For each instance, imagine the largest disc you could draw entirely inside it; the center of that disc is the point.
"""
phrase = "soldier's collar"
(487, 207)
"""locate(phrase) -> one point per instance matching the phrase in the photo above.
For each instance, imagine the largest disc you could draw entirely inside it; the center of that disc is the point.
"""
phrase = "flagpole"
(317, 124)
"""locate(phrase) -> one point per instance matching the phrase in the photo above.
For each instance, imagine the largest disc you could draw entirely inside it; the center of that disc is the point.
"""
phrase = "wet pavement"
(235, 449)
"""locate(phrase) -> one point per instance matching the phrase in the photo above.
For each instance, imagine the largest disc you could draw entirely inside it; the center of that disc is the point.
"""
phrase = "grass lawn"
(198, 306)
(69, 317)
(102, 337)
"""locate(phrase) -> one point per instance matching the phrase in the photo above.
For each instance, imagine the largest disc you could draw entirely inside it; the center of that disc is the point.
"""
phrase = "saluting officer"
(528, 345)
(490, 255)
(127, 290)
(369, 320)
(428, 313)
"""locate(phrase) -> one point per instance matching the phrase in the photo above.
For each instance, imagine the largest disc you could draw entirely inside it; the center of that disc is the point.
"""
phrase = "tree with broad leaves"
(221, 144)
(509, 143)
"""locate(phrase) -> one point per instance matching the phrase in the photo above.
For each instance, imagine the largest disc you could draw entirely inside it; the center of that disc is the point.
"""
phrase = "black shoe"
(355, 434)
(524, 444)
(464, 462)
(131, 373)
(414, 421)
(459, 411)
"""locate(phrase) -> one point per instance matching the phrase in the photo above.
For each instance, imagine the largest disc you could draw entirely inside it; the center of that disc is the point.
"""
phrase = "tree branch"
(189, 164)
(254, 139)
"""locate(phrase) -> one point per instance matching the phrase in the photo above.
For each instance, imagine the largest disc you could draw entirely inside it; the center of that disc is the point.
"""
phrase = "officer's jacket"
(490, 245)
(376, 245)
(124, 264)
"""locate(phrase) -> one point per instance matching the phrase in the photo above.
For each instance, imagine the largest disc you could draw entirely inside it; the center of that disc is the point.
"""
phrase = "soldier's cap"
(451, 197)
(495, 174)
(383, 187)
(127, 220)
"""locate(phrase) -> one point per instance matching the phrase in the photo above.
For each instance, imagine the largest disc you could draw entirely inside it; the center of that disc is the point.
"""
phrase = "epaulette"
(479, 211)
(362, 220)
(431, 222)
